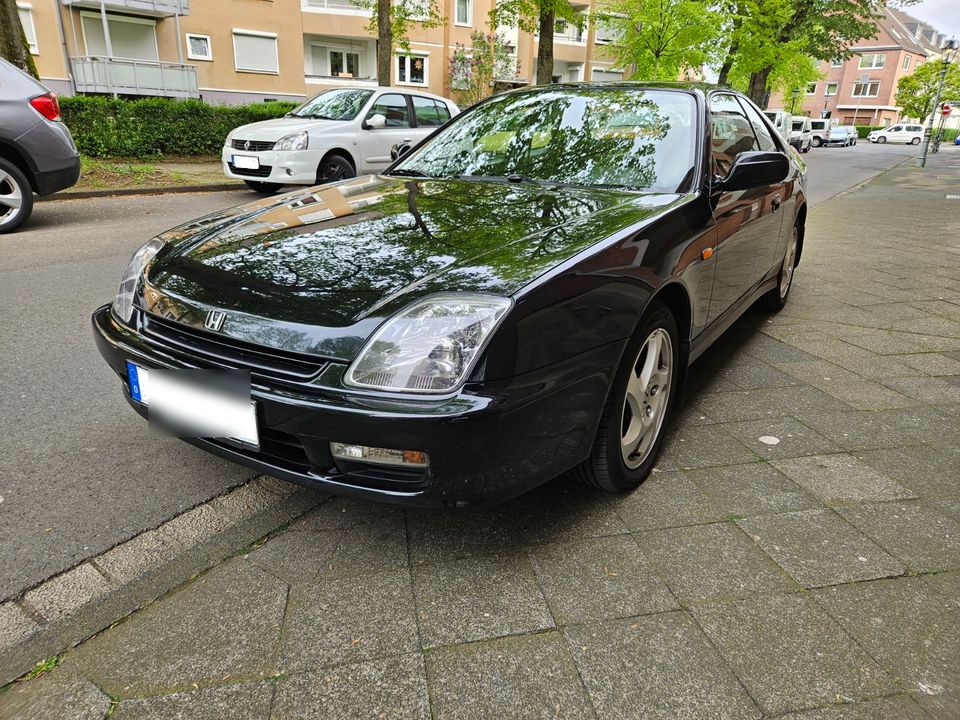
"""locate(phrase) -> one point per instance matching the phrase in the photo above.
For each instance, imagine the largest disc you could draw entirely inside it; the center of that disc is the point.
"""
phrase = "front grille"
(278, 448)
(262, 171)
(252, 145)
(223, 351)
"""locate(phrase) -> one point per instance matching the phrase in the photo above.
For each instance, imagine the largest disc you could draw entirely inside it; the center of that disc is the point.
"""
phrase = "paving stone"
(236, 702)
(930, 471)
(908, 626)
(14, 624)
(712, 561)
(881, 429)
(899, 707)
(820, 373)
(58, 695)
(393, 687)
(339, 513)
(817, 548)
(196, 525)
(704, 446)
(798, 401)
(928, 390)
(244, 501)
(659, 666)
(65, 593)
(754, 375)
(667, 499)
(471, 600)
(931, 363)
(278, 486)
(919, 536)
(841, 478)
(441, 536)
(226, 622)
(597, 579)
(870, 396)
(349, 619)
(687, 415)
(751, 489)
(138, 555)
(789, 654)
(779, 438)
(524, 677)
(773, 351)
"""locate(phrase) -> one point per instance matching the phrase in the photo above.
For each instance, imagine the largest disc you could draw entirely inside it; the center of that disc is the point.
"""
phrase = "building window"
(831, 89)
(872, 61)
(25, 12)
(255, 51)
(199, 47)
(867, 89)
(811, 88)
(344, 64)
(906, 62)
(130, 37)
(417, 9)
(464, 13)
(412, 69)
(836, 62)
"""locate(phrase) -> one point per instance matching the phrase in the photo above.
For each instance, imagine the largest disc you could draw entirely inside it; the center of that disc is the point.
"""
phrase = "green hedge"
(949, 134)
(104, 127)
(864, 130)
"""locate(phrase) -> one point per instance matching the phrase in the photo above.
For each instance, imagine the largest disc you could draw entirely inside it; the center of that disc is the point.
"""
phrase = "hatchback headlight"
(123, 302)
(429, 347)
(293, 141)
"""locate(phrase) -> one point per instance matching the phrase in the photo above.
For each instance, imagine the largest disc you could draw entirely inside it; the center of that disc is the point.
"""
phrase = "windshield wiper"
(312, 116)
(410, 172)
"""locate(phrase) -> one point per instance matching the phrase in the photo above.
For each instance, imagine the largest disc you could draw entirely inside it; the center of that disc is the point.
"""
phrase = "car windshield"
(625, 137)
(342, 104)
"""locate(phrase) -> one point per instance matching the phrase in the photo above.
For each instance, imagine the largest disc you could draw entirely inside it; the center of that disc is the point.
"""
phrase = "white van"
(801, 135)
(902, 133)
(782, 121)
(819, 132)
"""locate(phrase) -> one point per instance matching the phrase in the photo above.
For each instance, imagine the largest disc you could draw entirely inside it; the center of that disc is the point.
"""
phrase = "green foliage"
(403, 12)
(473, 70)
(44, 666)
(525, 14)
(915, 92)
(104, 127)
(864, 130)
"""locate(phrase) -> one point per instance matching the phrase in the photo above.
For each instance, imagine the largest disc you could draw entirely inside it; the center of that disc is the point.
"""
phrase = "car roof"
(389, 88)
(693, 88)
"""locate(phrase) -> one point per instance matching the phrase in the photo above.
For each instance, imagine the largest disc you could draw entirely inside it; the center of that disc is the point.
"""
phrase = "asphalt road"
(80, 470)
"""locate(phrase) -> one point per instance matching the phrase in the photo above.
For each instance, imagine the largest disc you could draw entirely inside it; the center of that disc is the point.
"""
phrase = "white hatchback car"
(901, 133)
(338, 134)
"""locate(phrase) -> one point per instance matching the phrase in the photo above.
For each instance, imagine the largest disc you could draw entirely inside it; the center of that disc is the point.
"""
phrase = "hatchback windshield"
(632, 138)
(334, 105)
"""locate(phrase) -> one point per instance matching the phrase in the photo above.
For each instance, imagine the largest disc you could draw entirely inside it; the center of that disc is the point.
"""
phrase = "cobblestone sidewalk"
(797, 550)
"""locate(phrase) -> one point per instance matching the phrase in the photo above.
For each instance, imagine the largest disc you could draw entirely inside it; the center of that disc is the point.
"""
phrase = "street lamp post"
(953, 45)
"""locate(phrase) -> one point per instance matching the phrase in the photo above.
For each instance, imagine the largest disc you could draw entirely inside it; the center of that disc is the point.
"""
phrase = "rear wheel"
(16, 197)
(333, 168)
(777, 297)
(633, 421)
(915, 141)
(263, 188)
(816, 142)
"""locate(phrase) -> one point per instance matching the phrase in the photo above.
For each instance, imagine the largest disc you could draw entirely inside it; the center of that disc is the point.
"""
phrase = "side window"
(393, 108)
(425, 110)
(764, 138)
(731, 132)
(895, 128)
(443, 111)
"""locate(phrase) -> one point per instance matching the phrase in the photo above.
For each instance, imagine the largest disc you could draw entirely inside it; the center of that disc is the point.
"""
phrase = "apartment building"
(861, 90)
(239, 51)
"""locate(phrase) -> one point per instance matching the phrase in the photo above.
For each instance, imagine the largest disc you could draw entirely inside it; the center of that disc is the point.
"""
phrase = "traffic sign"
(946, 109)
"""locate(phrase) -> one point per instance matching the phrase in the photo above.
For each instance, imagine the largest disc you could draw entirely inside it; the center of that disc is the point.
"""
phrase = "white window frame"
(826, 89)
(209, 56)
(255, 33)
(117, 18)
(877, 57)
(836, 62)
(30, 32)
(457, 20)
(344, 50)
(905, 65)
(814, 90)
(425, 56)
(867, 85)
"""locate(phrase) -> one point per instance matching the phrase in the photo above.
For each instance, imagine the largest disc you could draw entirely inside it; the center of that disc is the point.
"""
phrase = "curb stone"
(70, 607)
(118, 192)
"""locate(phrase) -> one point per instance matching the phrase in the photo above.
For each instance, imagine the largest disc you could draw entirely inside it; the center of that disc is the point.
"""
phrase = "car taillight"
(47, 106)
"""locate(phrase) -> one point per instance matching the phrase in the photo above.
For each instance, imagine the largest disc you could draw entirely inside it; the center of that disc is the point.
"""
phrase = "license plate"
(192, 409)
(247, 162)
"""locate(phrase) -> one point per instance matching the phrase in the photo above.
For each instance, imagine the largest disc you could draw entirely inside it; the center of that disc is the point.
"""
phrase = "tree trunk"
(13, 41)
(731, 52)
(758, 88)
(384, 43)
(548, 18)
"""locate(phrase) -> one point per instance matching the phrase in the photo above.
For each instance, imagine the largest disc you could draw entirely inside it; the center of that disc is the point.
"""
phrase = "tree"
(538, 16)
(390, 21)
(13, 41)
(659, 38)
(474, 70)
(915, 92)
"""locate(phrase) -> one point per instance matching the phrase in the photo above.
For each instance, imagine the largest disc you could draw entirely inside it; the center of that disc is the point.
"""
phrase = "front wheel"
(632, 425)
(333, 168)
(263, 188)
(881, 139)
(915, 141)
(776, 299)
(16, 197)
(817, 142)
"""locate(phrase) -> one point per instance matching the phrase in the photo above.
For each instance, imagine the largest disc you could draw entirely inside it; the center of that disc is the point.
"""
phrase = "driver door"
(375, 142)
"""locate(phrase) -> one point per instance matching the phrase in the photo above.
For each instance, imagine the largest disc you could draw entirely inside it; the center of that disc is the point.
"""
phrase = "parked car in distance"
(899, 133)
(336, 135)
(819, 132)
(37, 154)
(782, 121)
(801, 134)
(518, 296)
(842, 135)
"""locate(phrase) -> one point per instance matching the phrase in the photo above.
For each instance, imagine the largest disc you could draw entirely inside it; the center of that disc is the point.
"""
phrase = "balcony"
(341, 7)
(134, 77)
(152, 8)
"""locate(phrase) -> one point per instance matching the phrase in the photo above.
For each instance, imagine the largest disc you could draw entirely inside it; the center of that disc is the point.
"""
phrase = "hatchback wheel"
(263, 188)
(881, 139)
(333, 168)
(816, 142)
(915, 141)
(777, 298)
(16, 197)
(633, 422)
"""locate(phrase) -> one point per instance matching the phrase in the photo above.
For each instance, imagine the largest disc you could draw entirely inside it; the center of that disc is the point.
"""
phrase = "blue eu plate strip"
(134, 381)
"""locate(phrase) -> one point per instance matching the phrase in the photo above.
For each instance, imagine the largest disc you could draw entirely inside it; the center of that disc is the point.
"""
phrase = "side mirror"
(399, 150)
(374, 122)
(756, 168)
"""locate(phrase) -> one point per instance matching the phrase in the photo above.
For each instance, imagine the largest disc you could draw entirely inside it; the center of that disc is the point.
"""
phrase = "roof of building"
(911, 34)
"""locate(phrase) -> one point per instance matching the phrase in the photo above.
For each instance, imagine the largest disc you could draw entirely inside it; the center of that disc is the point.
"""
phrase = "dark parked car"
(37, 154)
(518, 296)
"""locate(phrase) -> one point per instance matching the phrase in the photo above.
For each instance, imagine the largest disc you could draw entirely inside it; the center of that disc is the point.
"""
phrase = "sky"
(944, 15)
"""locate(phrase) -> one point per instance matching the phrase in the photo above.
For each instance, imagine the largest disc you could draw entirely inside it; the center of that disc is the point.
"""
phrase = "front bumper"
(487, 444)
(293, 167)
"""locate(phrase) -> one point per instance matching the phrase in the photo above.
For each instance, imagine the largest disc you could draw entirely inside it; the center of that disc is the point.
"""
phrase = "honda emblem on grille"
(214, 320)
(246, 145)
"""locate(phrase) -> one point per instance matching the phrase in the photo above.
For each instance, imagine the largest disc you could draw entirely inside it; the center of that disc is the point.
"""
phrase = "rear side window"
(429, 112)
(731, 134)
(393, 108)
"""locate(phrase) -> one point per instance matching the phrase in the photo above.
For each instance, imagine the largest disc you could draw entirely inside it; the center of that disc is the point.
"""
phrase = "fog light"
(289, 172)
(380, 456)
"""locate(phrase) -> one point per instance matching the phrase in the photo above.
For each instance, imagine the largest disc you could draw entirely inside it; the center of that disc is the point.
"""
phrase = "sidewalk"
(797, 549)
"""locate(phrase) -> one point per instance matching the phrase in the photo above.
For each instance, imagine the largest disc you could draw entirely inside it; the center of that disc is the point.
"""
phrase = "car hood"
(273, 130)
(317, 270)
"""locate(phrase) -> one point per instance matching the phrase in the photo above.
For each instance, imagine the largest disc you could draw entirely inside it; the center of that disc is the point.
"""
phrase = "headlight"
(429, 347)
(293, 141)
(123, 302)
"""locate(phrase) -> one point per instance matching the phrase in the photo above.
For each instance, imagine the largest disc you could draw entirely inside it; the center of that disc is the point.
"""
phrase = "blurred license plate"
(247, 162)
(194, 403)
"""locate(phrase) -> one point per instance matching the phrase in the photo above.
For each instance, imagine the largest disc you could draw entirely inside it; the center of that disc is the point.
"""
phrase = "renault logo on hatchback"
(214, 320)
(246, 145)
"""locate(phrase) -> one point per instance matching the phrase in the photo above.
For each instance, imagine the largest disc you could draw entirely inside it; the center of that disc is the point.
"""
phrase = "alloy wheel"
(786, 272)
(11, 198)
(647, 398)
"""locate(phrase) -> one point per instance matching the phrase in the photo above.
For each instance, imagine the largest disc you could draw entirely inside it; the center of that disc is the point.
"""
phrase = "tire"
(915, 141)
(816, 142)
(333, 168)
(612, 466)
(263, 188)
(881, 139)
(776, 299)
(16, 197)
